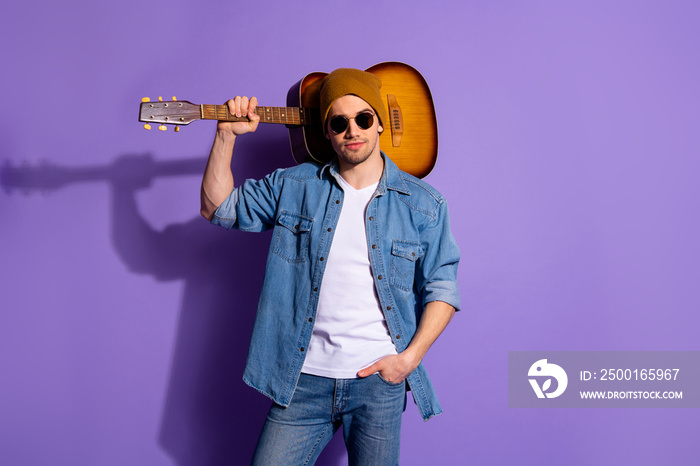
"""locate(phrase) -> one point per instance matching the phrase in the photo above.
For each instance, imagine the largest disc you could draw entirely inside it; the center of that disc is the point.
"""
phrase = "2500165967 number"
(639, 374)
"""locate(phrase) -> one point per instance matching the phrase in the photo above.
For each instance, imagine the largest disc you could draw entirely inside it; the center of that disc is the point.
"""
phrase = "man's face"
(354, 145)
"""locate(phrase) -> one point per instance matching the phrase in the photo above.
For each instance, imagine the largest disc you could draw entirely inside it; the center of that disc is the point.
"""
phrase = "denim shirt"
(412, 253)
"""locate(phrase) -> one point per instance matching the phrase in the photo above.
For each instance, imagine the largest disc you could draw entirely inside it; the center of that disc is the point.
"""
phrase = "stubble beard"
(356, 157)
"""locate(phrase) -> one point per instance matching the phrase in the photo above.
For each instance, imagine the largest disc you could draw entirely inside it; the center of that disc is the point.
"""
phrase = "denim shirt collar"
(391, 179)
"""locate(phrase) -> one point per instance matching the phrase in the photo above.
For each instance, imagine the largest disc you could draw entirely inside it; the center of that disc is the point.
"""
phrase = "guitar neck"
(283, 115)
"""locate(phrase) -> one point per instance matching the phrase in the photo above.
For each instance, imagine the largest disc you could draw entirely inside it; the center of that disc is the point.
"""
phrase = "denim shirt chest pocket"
(404, 255)
(292, 234)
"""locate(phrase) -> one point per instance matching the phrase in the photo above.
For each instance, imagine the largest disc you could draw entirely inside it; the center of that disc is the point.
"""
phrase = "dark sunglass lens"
(338, 124)
(364, 120)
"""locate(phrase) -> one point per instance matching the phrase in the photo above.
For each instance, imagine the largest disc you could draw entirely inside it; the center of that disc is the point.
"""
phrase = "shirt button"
(379, 277)
(398, 337)
(311, 319)
(321, 259)
(374, 246)
(371, 218)
(337, 202)
(316, 288)
(330, 229)
(388, 308)
(301, 349)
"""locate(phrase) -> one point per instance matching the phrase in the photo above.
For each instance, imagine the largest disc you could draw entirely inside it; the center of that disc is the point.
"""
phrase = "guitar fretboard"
(283, 115)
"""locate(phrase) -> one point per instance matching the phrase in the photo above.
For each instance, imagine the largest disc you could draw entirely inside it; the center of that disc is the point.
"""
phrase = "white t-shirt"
(350, 332)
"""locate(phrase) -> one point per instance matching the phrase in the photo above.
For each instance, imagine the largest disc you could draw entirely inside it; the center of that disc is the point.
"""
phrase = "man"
(360, 281)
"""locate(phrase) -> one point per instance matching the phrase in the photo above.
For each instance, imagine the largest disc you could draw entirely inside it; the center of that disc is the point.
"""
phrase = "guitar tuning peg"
(145, 99)
(160, 99)
(177, 129)
(147, 126)
(162, 127)
(174, 99)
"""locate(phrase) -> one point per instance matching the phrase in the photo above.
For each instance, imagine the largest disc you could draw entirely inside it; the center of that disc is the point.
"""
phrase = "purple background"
(568, 152)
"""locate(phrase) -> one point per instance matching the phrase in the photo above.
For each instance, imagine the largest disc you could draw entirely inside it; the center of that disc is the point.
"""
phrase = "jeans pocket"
(391, 384)
(404, 255)
(292, 233)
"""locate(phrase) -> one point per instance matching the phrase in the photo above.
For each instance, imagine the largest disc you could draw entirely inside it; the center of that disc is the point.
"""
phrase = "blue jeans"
(369, 410)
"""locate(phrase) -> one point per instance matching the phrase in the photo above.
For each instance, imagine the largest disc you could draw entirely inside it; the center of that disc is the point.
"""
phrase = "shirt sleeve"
(436, 276)
(251, 206)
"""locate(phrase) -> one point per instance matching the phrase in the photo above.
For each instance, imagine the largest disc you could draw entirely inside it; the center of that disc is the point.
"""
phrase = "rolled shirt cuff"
(446, 291)
(225, 216)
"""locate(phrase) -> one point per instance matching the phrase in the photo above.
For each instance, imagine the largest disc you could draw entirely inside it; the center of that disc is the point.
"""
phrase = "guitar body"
(409, 104)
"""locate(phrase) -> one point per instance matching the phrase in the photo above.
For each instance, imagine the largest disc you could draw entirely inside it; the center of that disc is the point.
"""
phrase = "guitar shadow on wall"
(210, 417)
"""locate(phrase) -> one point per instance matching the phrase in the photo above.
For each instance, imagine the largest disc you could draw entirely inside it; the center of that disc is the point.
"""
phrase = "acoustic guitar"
(409, 138)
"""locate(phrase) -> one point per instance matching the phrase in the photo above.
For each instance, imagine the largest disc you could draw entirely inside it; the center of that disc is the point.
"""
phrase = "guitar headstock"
(175, 112)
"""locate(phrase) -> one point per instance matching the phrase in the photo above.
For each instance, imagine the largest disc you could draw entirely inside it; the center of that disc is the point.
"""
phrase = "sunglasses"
(339, 124)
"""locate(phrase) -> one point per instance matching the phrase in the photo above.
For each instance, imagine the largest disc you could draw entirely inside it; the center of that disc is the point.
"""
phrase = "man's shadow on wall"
(210, 417)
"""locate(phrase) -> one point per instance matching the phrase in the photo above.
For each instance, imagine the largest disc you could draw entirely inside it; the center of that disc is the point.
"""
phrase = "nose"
(352, 130)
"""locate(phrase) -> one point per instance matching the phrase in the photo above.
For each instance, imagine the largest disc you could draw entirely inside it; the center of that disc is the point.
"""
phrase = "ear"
(380, 129)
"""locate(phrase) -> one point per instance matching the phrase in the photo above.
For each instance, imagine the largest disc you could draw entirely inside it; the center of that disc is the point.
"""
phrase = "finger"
(236, 106)
(231, 106)
(252, 105)
(376, 367)
(253, 117)
(244, 105)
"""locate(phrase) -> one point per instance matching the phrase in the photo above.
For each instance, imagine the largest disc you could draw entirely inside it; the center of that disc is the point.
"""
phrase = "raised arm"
(217, 182)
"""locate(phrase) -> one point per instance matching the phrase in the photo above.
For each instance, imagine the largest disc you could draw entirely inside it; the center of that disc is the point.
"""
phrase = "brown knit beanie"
(344, 81)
